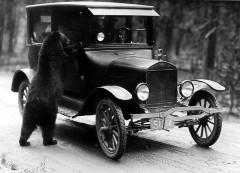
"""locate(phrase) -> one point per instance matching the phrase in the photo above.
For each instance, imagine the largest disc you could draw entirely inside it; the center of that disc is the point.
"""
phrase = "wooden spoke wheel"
(207, 132)
(22, 95)
(111, 130)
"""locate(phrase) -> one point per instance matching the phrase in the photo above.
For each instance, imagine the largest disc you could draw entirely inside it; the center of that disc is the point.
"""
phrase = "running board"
(71, 103)
(83, 119)
(67, 111)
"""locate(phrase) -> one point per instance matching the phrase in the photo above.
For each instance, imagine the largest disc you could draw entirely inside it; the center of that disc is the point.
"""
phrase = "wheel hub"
(204, 121)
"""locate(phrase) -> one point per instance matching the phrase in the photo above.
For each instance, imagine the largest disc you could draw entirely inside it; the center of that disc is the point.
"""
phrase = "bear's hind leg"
(47, 134)
(26, 131)
(28, 124)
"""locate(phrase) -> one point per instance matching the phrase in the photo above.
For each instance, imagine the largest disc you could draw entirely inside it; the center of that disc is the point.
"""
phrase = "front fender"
(118, 92)
(204, 84)
(99, 93)
(21, 75)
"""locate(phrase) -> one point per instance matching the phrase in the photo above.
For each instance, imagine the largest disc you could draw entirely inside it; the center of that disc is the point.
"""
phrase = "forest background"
(202, 38)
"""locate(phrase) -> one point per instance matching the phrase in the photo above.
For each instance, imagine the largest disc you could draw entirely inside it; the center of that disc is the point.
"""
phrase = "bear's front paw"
(52, 142)
(24, 143)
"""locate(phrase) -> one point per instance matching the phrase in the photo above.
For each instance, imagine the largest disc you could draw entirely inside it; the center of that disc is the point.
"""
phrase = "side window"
(40, 25)
(71, 23)
(138, 30)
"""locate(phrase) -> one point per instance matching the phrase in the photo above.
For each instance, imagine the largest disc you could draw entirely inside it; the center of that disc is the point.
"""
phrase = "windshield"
(118, 30)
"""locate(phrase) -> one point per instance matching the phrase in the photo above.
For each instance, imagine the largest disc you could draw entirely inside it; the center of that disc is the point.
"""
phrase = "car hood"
(125, 68)
(105, 58)
(130, 71)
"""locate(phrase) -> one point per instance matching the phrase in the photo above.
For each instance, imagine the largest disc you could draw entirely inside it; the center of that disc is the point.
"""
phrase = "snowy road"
(78, 150)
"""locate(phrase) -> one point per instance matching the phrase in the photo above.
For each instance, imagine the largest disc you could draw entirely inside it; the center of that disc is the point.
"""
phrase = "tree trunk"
(232, 100)
(2, 21)
(212, 40)
(168, 36)
(179, 41)
(11, 23)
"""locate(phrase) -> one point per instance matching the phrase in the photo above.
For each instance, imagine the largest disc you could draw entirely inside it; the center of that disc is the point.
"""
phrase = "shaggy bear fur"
(45, 90)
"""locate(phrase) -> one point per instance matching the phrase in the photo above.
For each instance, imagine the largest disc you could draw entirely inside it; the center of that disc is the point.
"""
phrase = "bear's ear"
(64, 39)
(62, 47)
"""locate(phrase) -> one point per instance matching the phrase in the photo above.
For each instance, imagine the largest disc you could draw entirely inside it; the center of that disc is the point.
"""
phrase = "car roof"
(92, 4)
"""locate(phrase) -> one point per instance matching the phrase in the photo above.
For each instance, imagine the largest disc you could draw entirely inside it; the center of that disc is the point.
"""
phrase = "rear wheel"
(22, 95)
(111, 130)
(207, 132)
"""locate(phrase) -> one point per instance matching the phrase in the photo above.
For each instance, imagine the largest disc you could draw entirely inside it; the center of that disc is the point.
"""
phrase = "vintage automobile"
(115, 75)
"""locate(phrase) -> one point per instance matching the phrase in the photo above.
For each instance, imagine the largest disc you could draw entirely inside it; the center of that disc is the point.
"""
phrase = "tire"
(22, 95)
(207, 132)
(111, 130)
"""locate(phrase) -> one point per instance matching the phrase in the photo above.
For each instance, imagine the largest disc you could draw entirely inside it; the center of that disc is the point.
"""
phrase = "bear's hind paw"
(52, 142)
(24, 143)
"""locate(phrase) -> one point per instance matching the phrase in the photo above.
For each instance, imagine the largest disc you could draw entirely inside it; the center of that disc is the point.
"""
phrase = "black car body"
(115, 76)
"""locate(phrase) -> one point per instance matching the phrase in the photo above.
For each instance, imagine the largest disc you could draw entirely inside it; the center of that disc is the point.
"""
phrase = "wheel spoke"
(104, 128)
(103, 120)
(113, 119)
(206, 131)
(25, 91)
(209, 128)
(107, 113)
(198, 128)
(104, 139)
(105, 116)
(201, 132)
(113, 144)
(207, 105)
(108, 142)
(205, 102)
(199, 103)
(115, 139)
(113, 127)
(210, 122)
(115, 133)
(24, 97)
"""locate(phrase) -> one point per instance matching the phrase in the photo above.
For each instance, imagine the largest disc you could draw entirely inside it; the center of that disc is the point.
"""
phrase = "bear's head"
(54, 45)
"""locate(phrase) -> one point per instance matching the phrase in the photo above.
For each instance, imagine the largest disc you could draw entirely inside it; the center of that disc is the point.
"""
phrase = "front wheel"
(22, 95)
(207, 132)
(111, 130)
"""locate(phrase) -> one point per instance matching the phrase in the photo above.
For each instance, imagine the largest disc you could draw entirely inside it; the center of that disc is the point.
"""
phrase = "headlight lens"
(100, 36)
(186, 89)
(142, 91)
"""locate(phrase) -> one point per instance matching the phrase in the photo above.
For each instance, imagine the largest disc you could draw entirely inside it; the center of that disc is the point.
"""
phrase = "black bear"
(45, 90)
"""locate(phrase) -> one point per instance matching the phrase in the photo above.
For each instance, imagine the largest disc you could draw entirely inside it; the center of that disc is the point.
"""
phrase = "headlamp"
(186, 89)
(100, 36)
(142, 91)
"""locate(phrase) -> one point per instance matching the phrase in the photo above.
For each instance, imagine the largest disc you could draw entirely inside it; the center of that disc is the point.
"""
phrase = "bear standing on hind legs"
(45, 90)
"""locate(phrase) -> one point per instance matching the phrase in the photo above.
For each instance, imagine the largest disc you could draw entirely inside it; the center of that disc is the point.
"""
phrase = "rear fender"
(19, 76)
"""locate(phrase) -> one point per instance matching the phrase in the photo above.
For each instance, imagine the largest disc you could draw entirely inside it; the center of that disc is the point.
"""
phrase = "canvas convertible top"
(105, 8)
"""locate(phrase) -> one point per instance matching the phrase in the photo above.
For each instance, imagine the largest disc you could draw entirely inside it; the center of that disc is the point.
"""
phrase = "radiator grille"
(163, 87)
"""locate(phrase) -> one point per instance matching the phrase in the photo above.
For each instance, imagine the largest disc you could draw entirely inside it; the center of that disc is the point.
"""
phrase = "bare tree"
(229, 69)
(212, 41)
(2, 22)
(11, 23)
